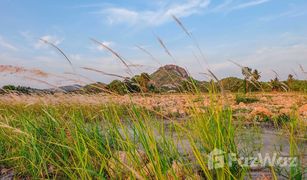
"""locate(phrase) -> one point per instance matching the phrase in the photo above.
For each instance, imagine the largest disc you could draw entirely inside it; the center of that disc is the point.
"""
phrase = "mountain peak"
(176, 69)
(169, 75)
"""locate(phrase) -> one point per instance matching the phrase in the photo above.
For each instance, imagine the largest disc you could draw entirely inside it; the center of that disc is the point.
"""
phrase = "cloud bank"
(162, 15)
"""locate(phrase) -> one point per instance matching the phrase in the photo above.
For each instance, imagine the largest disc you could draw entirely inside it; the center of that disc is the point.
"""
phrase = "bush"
(18, 89)
(297, 85)
(118, 87)
(94, 88)
(232, 84)
(282, 119)
(245, 99)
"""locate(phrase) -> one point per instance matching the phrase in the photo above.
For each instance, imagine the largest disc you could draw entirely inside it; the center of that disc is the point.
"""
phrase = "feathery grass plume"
(18, 70)
(21, 70)
(295, 74)
(72, 80)
(284, 86)
(91, 85)
(112, 52)
(182, 26)
(189, 34)
(59, 50)
(276, 74)
(103, 89)
(196, 57)
(302, 69)
(44, 82)
(218, 81)
(165, 48)
(149, 54)
(208, 76)
(14, 130)
(136, 65)
(104, 73)
(250, 78)
(65, 78)
(79, 75)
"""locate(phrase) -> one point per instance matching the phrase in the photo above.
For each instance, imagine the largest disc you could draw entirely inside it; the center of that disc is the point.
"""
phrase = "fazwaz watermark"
(219, 159)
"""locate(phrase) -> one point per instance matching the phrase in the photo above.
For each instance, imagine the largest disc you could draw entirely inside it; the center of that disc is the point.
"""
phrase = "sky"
(269, 35)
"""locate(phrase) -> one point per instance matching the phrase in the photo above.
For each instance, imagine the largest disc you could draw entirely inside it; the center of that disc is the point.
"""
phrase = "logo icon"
(216, 159)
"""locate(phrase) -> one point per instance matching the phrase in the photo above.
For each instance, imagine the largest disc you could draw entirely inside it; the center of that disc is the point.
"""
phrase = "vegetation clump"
(245, 99)
(17, 89)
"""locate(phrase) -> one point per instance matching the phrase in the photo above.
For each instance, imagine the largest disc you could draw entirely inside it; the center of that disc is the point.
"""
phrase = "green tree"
(232, 84)
(190, 85)
(18, 89)
(256, 75)
(276, 85)
(143, 81)
(132, 85)
(247, 73)
(152, 88)
(9, 88)
(290, 78)
(118, 87)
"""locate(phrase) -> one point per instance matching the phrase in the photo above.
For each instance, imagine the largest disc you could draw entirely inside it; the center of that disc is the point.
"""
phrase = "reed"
(59, 50)
(22, 70)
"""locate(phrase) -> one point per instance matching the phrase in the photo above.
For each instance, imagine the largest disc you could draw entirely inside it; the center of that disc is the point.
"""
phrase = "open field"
(150, 136)
(180, 105)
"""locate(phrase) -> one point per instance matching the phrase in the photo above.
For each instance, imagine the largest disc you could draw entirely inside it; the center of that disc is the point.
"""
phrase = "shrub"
(232, 84)
(19, 89)
(282, 119)
(118, 87)
(297, 85)
(245, 99)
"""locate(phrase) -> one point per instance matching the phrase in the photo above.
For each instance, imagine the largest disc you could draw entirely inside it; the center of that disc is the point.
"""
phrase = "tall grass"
(112, 141)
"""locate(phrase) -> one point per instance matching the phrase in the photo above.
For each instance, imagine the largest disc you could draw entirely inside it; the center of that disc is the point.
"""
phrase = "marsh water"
(264, 142)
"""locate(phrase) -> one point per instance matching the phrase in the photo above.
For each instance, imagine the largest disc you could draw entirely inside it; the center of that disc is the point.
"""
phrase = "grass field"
(110, 140)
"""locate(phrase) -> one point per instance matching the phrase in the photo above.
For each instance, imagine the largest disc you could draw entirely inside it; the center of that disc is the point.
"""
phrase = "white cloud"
(155, 17)
(163, 13)
(250, 4)
(223, 5)
(50, 38)
(232, 5)
(119, 15)
(288, 14)
(5, 44)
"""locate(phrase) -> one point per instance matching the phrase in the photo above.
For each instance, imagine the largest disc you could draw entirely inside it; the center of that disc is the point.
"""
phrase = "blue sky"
(269, 35)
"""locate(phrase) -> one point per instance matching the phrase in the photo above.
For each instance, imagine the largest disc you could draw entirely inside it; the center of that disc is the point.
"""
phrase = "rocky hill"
(71, 88)
(169, 76)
